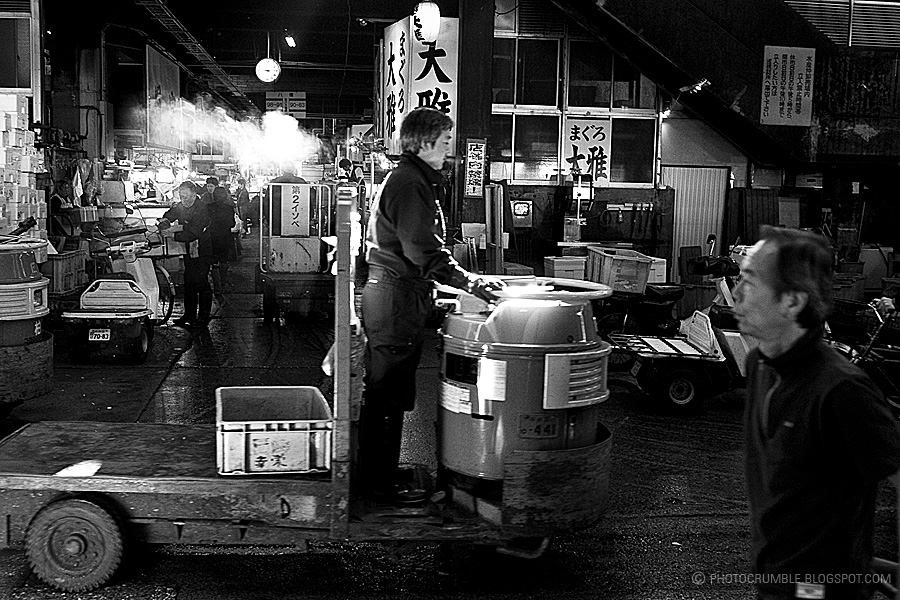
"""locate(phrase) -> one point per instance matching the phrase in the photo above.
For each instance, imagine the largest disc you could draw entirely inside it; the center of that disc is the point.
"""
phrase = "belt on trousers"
(381, 274)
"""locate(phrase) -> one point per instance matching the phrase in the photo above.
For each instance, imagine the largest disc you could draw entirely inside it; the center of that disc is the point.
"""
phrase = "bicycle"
(880, 360)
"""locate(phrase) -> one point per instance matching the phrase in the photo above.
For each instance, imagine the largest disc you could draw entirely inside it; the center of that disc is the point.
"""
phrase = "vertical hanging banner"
(586, 144)
(476, 149)
(416, 73)
(787, 86)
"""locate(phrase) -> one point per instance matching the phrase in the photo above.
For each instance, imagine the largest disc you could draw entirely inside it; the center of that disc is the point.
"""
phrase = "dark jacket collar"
(800, 352)
(431, 175)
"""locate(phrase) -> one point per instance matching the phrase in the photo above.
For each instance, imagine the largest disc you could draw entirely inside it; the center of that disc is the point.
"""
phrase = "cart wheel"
(682, 390)
(139, 348)
(270, 304)
(73, 545)
(608, 325)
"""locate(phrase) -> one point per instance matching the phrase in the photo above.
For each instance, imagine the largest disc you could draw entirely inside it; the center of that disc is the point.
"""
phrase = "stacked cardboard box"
(20, 162)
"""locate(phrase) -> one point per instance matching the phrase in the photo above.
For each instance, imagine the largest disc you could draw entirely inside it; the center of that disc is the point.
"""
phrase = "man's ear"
(793, 302)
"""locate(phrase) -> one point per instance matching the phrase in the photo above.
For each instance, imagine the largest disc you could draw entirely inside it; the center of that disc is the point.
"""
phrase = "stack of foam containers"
(20, 161)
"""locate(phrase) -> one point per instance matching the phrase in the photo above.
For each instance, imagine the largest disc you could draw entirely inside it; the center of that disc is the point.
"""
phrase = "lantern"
(427, 22)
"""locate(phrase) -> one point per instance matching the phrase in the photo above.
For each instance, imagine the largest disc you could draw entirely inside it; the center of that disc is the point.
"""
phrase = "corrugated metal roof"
(873, 23)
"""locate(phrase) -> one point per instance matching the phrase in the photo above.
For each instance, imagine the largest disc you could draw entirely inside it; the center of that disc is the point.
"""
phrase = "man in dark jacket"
(221, 214)
(819, 433)
(194, 219)
(405, 252)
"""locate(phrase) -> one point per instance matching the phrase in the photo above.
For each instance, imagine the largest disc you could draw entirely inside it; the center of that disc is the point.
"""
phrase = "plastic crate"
(64, 270)
(622, 270)
(272, 429)
(565, 267)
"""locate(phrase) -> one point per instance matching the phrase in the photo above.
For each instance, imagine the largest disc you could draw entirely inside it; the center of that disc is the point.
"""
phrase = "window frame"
(562, 110)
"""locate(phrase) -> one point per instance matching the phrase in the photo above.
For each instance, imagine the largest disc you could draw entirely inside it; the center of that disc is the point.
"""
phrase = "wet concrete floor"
(676, 524)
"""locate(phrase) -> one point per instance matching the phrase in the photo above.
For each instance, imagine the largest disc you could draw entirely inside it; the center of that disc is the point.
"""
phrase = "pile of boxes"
(20, 161)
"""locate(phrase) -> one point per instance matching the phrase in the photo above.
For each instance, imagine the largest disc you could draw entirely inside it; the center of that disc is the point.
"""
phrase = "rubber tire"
(608, 325)
(682, 391)
(74, 545)
(139, 348)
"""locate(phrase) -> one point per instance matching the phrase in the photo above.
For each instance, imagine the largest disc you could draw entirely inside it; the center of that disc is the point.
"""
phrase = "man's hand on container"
(483, 287)
(163, 224)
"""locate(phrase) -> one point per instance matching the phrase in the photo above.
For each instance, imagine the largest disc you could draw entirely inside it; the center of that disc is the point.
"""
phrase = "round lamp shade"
(427, 22)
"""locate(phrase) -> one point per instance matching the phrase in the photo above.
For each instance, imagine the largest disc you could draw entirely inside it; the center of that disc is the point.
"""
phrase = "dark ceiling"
(334, 61)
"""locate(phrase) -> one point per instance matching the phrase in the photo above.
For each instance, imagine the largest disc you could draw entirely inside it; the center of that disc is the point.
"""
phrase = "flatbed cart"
(293, 271)
(76, 494)
(681, 372)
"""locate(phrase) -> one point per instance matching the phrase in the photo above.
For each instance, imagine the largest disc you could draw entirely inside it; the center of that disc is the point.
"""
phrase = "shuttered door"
(699, 206)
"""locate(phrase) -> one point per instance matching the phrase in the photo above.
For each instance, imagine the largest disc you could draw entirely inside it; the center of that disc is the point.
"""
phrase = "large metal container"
(527, 376)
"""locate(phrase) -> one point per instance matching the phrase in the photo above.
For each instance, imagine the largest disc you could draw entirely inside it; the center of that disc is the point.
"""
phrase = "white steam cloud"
(265, 144)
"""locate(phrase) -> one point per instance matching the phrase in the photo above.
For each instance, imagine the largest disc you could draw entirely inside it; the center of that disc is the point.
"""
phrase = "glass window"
(536, 147)
(590, 74)
(631, 152)
(15, 52)
(505, 15)
(536, 72)
(501, 146)
(631, 89)
(503, 73)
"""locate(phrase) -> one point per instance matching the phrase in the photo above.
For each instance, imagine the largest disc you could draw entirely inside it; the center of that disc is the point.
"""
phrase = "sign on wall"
(415, 73)
(165, 121)
(290, 103)
(475, 165)
(787, 86)
(586, 144)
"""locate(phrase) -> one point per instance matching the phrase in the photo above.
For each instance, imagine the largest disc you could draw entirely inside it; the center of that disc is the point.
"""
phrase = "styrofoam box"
(272, 429)
(14, 120)
(565, 267)
(657, 270)
(16, 103)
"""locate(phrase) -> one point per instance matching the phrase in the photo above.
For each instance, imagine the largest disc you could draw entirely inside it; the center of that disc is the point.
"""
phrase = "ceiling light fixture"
(427, 21)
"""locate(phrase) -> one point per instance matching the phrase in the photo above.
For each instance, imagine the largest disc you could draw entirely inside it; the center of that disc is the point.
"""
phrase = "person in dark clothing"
(819, 434)
(243, 208)
(194, 219)
(405, 253)
(221, 215)
(288, 175)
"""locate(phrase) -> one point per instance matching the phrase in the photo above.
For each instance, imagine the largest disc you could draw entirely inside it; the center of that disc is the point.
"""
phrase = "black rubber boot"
(204, 309)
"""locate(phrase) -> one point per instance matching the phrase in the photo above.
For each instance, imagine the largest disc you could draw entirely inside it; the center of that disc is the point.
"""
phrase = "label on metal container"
(455, 398)
(538, 426)
(492, 379)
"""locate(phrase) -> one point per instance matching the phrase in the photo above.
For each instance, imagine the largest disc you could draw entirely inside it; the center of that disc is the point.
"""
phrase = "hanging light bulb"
(427, 21)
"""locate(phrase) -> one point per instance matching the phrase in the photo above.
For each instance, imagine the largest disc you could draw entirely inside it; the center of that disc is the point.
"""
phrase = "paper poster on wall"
(415, 73)
(586, 145)
(475, 166)
(787, 86)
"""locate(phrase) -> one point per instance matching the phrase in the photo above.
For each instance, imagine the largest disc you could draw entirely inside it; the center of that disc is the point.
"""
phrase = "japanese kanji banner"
(586, 144)
(787, 86)
(416, 74)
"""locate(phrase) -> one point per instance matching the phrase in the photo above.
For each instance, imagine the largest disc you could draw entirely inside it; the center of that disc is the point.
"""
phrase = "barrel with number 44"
(530, 375)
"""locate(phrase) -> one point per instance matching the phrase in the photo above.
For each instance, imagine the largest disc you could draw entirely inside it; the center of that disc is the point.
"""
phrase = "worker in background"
(221, 214)
(405, 253)
(288, 174)
(194, 219)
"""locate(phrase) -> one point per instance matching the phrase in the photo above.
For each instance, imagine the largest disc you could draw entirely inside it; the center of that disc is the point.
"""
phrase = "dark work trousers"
(197, 295)
(393, 314)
